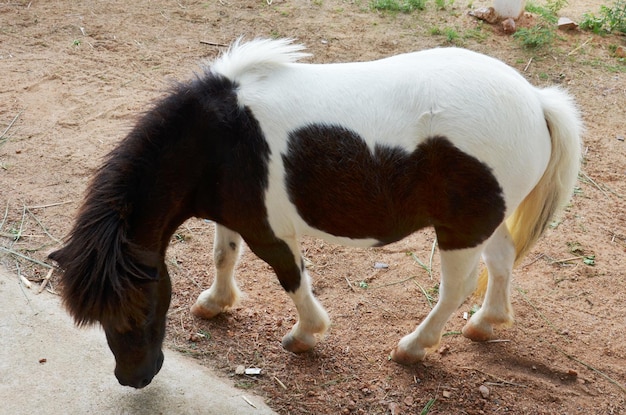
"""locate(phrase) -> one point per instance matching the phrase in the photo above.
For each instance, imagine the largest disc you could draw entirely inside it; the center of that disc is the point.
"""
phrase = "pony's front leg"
(313, 321)
(458, 278)
(224, 292)
(496, 310)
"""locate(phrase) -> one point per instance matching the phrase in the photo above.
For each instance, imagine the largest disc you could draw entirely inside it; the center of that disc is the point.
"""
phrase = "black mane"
(101, 262)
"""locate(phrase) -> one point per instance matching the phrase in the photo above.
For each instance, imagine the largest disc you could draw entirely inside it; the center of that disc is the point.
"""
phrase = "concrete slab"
(77, 374)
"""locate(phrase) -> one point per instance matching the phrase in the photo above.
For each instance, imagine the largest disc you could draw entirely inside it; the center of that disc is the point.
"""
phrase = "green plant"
(555, 6)
(534, 37)
(544, 11)
(404, 6)
(451, 34)
(443, 4)
(609, 20)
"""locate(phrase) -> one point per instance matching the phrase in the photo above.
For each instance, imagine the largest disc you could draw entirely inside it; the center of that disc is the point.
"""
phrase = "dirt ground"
(76, 74)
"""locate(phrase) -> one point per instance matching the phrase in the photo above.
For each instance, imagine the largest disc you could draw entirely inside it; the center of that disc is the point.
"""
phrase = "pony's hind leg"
(458, 277)
(313, 321)
(223, 293)
(496, 310)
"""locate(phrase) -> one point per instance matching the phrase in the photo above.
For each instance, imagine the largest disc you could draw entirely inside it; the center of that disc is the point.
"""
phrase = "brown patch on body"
(341, 187)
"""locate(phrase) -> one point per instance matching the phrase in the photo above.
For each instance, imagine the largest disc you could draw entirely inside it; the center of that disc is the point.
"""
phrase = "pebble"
(484, 391)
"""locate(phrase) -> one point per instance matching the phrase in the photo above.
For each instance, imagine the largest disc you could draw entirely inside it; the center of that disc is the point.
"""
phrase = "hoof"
(203, 312)
(406, 359)
(477, 334)
(290, 343)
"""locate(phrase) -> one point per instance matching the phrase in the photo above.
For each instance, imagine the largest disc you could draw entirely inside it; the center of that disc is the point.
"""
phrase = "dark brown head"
(169, 168)
(108, 281)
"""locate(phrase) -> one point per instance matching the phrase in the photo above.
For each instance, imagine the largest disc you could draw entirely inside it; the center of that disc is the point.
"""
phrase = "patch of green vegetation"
(535, 37)
(598, 63)
(450, 33)
(403, 6)
(544, 33)
(476, 34)
(443, 4)
(549, 11)
(609, 20)
(426, 409)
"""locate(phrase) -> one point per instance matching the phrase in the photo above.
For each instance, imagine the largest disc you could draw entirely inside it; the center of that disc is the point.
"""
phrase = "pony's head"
(113, 268)
(109, 280)
(168, 168)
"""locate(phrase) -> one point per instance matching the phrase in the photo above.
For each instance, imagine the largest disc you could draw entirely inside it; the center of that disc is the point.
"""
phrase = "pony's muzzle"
(139, 378)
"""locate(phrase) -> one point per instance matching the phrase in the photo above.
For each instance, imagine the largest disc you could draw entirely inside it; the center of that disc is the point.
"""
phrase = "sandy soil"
(76, 74)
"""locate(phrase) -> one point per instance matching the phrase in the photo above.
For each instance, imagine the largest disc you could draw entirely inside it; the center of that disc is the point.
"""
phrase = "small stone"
(446, 394)
(565, 23)
(444, 350)
(487, 14)
(240, 370)
(408, 401)
(572, 373)
(381, 265)
(484, 391)
(508, 25)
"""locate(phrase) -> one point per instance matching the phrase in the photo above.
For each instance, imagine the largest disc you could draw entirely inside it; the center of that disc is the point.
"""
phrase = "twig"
(558, 349)
(533, 261)
(6, 213)
(17, 254)
(562, 261)
(49, 205)
(45, 281)
(539, 313)
(282, 385)
(206, 42)
(11, 124)
(248, 401)
(430, 260)
(350, 284)
(428, 297)
(592, 369)
(498, 341)
(576, 49)
(18, 235)
(43, 227)
(494, 377)
(393, 283)
(421, 264)
(594, 183)
(528, 64)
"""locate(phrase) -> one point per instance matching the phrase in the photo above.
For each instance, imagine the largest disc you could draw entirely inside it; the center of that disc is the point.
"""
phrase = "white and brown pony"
(360, 154)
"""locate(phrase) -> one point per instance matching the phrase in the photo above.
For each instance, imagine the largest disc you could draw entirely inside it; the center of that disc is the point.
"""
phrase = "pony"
(360, 153)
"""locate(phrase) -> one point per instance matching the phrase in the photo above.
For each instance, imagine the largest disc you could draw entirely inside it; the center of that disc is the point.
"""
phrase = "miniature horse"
(360, 154)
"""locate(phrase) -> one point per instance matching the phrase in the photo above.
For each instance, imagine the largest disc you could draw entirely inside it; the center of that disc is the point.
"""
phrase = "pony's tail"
(529, 221)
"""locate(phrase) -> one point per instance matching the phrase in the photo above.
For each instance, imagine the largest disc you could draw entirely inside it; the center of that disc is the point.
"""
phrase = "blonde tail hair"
(554, 190)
